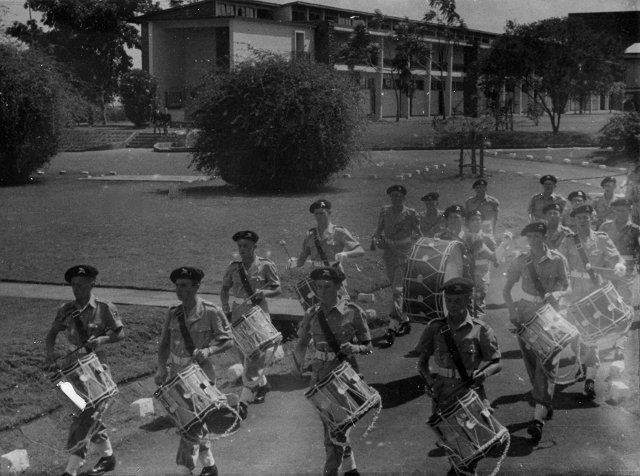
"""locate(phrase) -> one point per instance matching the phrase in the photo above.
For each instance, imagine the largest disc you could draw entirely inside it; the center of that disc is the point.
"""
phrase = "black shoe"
(549, 414)
(404, 329)
(535, 430)
(261, 393)
(590, 389)
(243, 410)
(65, 474)
(209, 471)
(390, 337)
(104, 464)
(353, 472)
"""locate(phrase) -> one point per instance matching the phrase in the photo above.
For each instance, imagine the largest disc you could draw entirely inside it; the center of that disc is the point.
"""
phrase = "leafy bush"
(34, 104)
(275, 124)
(622, 133)
(137, 90)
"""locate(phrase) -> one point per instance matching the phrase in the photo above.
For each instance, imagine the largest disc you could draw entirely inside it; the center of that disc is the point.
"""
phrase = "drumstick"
(598, 268)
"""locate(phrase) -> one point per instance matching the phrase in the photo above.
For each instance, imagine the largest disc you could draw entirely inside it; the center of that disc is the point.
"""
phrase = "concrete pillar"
(448, 100)
(379, 80)
(520, 97)
(427, 83)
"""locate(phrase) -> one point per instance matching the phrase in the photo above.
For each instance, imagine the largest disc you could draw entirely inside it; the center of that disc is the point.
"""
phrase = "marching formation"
(578, 289)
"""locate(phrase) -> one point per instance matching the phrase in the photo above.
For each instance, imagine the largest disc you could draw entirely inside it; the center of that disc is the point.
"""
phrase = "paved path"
(282, 308)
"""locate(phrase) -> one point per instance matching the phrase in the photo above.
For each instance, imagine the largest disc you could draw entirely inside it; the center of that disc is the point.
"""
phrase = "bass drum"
(431, 263)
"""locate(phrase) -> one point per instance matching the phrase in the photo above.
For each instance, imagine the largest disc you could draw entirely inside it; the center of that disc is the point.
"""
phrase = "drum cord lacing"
(577, 374)
(232, 428)
(378, 405)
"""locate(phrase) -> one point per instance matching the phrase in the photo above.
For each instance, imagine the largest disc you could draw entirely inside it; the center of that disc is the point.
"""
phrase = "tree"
(360, 49)
(34, 104)
(89, 37)
(278, 125)
(553, 60)
(138, 90)
(622, 133)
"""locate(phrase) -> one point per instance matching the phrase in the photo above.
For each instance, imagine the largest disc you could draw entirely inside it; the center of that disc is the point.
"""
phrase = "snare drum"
(600, 314)
(342, 398)
(86, 383)
(306, 293)
(431, 263)
(467, 429)
(189, 398)
(254, 332)
(547, 333)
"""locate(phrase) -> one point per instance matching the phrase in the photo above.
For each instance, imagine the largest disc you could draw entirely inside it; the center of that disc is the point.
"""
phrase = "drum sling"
(321, 253)
(188, 341)
(244, 279)
(534, 277)
(455, 355)
(585, 259)
(331, 338)
(82, 332)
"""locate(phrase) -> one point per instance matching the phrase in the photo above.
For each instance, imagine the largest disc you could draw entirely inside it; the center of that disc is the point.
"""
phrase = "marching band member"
(626, 237)
(576, 198)
(90, 323)
(556, 231)
(252, 279)
(398, 228)
(194, 330)
(432, 218)
(471, 339)
(547, 197)
(587, 249)
(334, 324)
(602, 205)
(488, 205)
(326, 242)
(544, 276)
(484, 257)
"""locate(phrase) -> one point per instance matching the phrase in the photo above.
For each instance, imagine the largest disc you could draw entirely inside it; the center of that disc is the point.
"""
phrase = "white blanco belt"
(448, 373)
(627, 257)
(175, 360)
(579, 274)
(325, 356)
(531, 298)
(483, 262)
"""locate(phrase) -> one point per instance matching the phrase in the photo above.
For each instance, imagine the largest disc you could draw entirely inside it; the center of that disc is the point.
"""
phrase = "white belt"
(181, 361)
(579, 274)
(404, 241)
(483, 262)
(531, 298)
(448, 373)
(325, 356)
(627, 257)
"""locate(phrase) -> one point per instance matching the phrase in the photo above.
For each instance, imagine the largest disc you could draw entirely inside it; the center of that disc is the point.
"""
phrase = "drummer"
(334, 324)
(326, 243)
(432, 218)
(556, 231)
(544, 276)
(398, 228)
(473, 339)
(194, 330)
(577, 198)
(251, 279)
(601, 261)
(546, 197)
(488, 205)
(603, 205)
(89, 323)
(626, 237)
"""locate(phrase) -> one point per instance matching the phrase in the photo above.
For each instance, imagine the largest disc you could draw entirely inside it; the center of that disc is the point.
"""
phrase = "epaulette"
(67, 305)
(209, 304)
(174, 307)
(310, 230)
(355, 306)
(601, 233)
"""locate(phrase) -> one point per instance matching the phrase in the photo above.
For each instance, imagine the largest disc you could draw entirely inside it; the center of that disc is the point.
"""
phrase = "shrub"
(34, 104)
(276, 125)
(137, 90)
(622, 133)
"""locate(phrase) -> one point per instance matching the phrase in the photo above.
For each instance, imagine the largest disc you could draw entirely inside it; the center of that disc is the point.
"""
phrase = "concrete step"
(146, 140)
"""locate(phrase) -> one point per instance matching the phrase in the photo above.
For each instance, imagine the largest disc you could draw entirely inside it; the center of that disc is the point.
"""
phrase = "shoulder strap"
(188, 341)
(534, 276)
(585, 259)
(326, 330)
(455, 354)
(316, 241)
(244, 279)
(82, 332)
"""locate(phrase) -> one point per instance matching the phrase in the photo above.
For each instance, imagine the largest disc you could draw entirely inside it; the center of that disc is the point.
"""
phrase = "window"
(265, 14)
(298, 45)
(315, 15)
(419, 84)
(225, 10)
(246, 12)
(458, 85)
(436, 85)
(174, 99)
(298, 15)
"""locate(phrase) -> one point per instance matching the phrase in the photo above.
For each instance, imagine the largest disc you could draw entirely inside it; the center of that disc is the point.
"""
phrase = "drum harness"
(467, 381)
(564, 380)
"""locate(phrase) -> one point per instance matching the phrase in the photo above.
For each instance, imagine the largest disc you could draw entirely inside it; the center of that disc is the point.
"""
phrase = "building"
(180, 45)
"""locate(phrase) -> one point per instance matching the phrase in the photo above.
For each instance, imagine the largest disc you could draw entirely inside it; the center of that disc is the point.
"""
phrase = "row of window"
(418, 84)
(230, 10)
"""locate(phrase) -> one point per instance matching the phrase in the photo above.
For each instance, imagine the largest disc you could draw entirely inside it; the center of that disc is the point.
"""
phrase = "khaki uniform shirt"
(97, 317)
(432, 223)
(489, 206)
(626, 241)
(262, 273)
(603, 209)
(539, 201)
(334, 239)
(552, 270)
(346, 320)
(555, 237)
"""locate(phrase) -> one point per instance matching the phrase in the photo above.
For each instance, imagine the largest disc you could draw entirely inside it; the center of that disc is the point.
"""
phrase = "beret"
(397, 188)
(326, 204)
(577, 194)
(430, 196)
(186, 272)
(535, 227)
(473, 213)
(552, 206)
(329, 273)
(457, 286)
(582, 209)
(453, 209)
(245, 235)
(479, 182)
(546, 178)
(607, 180)
(622, 202)
(80, 270)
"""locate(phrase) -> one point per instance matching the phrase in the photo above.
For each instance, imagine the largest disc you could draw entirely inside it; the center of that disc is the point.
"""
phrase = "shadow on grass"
(226, 190)
(399, 392)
